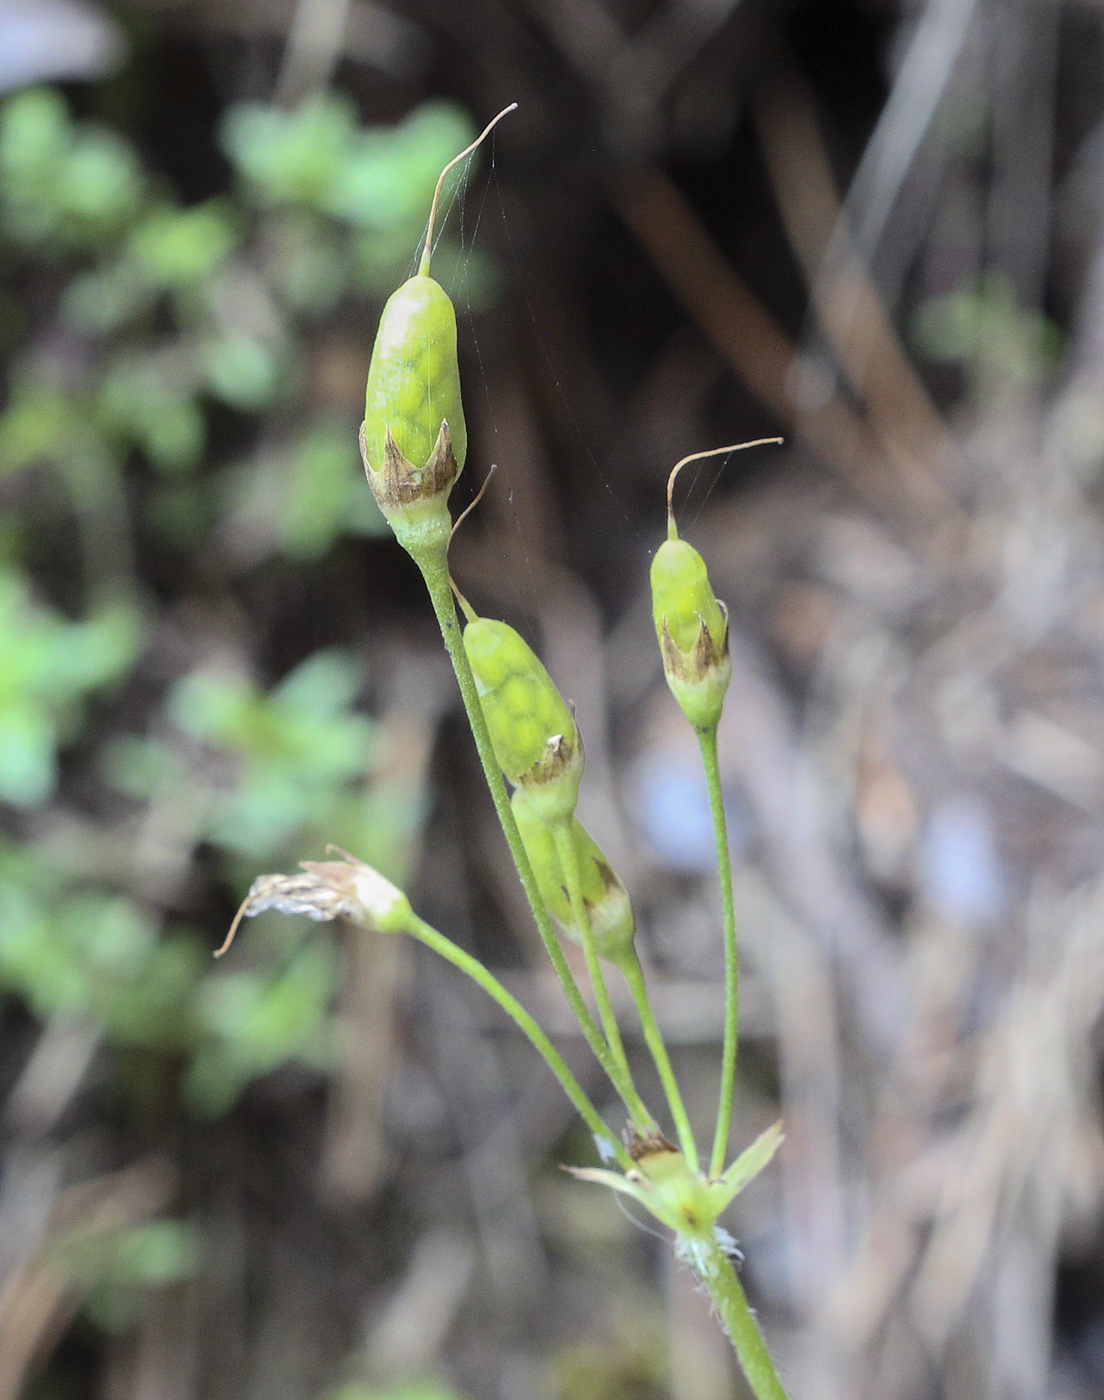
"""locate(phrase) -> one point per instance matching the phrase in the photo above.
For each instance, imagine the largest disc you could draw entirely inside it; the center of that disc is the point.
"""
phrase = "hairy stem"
(707, 739)
(434, 567)
(428, 935)
(714, 1268)
(634, 975)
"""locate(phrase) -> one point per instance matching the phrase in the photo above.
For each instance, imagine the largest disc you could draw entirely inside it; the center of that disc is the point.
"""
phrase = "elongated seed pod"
(414, 377)
(413, 438)
(683, 601)
(605, 897)
(691, 622)
(692, 627)
(532, 729)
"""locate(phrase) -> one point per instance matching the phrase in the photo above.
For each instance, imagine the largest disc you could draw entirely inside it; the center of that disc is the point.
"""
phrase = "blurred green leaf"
(175, 248)
(298, 500)
(71, 184)
(241, 370)
(84, 953)
(46, 664)
(35, 134)
(307, 261)
(292, 752)
(389, 175)
(148, 400)
(290, 157)
(104, 299)
(115, 1267)
(984, 327)
(255, 1024)
(39, 423)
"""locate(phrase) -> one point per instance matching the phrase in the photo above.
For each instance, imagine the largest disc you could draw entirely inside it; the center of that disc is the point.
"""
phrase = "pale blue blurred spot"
(671, 807)
(961, 872)
(50, 39)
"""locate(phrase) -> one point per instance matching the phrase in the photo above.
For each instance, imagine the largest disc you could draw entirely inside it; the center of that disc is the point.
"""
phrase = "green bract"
(692, 627)
(663, 1182)
(533, 731)
(605, 897)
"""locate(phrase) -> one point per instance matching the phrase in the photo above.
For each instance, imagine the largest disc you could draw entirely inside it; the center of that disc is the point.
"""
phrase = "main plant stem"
(434, 567)
(707, 739)
(714, 1268)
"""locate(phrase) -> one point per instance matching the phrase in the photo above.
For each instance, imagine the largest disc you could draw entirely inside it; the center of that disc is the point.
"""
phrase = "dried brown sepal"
(399, 483)
(561, 759)
(699, 676)
(640, 1145)
(705, 658)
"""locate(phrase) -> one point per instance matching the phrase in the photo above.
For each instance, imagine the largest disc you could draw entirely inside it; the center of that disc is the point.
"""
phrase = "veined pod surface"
(532, 729)
(414, 378)
(414, 439)
(692, 628)
(682, 597)
(606, 899)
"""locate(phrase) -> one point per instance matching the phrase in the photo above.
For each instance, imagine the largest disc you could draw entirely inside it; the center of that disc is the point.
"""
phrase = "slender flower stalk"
(692, 629)
(707, 740)
(569, 861)
(350, 889)
(434, 568)
(428, 935)
(653, 1038)
(413, 441)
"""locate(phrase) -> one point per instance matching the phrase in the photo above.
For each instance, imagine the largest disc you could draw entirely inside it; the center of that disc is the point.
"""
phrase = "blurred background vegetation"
(322, 1170)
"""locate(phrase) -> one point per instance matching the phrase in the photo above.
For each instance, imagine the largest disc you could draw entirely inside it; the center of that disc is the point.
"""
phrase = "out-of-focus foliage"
(114, 1267)
(47, 665)
(983, 330)
(176, 309)
(413, 1391)
(151, 323)
(74, 951)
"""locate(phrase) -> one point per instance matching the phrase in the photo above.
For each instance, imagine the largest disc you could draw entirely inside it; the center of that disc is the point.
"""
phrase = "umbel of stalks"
(532, 729)
(413, 439)
(605, 897)
(690, 620)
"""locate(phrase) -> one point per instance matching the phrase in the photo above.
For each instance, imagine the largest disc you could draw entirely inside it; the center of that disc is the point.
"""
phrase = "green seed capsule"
(414, 379)
(692, 628)
(413, 439)
(682, 597)
(533, 732)
(605, 897)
